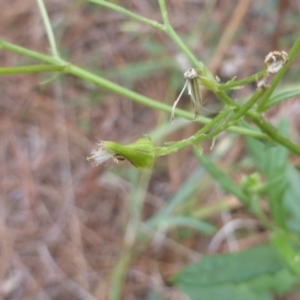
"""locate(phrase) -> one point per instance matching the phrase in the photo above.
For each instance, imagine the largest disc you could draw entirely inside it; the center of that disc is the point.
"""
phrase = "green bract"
(140, 153)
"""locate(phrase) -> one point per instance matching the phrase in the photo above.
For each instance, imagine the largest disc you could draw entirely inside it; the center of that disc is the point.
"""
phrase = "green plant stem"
(166, 27)
(129, 13)
(292, 54)
(215, 121)
(263, 125)
(239, 114)
(256, 208)
(31, 69)
(237, 83)
(119, 273)
(132, 230)
(174, 36)
(33, 54)
(245, 108)
(272, 132)
(200, 135)
(196, 138)
(48, 28)
(83, 74)
(227, 100)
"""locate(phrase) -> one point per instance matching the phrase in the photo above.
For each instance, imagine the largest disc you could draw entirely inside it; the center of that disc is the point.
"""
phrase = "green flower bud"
(252, 183)
(140, 153)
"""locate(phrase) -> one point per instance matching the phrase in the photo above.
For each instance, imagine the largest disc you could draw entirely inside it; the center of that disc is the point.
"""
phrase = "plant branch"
(263, 125)
(232, 84)
(196, 138)
(83, 74)
(239, 114)
(129, 13)
(33, 54)
(31, 69)
(272, 132)
(243, 110)
(48, 28)
(174, 36)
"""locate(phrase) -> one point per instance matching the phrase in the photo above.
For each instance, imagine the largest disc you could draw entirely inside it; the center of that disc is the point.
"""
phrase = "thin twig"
(48, 28)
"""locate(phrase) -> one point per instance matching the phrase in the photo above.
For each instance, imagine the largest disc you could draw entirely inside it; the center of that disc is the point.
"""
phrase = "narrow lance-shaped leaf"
(226, 183)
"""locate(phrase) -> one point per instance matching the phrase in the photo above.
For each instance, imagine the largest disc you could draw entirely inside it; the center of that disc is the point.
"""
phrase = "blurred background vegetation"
(70, 230)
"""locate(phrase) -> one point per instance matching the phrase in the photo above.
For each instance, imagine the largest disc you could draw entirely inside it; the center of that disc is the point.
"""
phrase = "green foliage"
(167, 217)
(282, 95)
(280, 183)
(272, 161)
(254, 273)
(285, 244)
(223, 180)
(292, 200)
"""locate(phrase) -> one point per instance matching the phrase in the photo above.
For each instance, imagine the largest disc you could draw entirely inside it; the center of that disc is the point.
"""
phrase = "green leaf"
(280, 282)
(291, 200)
(224, 292)
(231, 267)
(281, 95)
(226, 183)
(283, 241)
(231, 276)
(186, 190)
(166, 218)
(272, 161)
(174, 222)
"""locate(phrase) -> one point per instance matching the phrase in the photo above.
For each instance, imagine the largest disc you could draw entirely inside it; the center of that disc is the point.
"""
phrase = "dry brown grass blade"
(228, 34)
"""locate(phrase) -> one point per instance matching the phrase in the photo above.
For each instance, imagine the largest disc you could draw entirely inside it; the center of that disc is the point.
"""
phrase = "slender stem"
(264, 126)
(164, 12)
(48, 28)
(239, 114)
(244, 109)
(226, 99)
(257, 209)
(31, 69)
(129, 13)
(83, 74)
(238, 83)
(118, 274)
(215, 121)
(132, 230)
(272, 132)
(292, 54)
(32, 54)
(79, 72)
(196, 138)
(164, 27)
(174, 36)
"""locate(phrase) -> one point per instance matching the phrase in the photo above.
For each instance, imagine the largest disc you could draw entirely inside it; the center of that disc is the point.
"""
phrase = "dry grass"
(62, 221)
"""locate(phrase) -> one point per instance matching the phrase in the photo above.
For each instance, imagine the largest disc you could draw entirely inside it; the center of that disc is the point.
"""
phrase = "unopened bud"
(140, 153)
